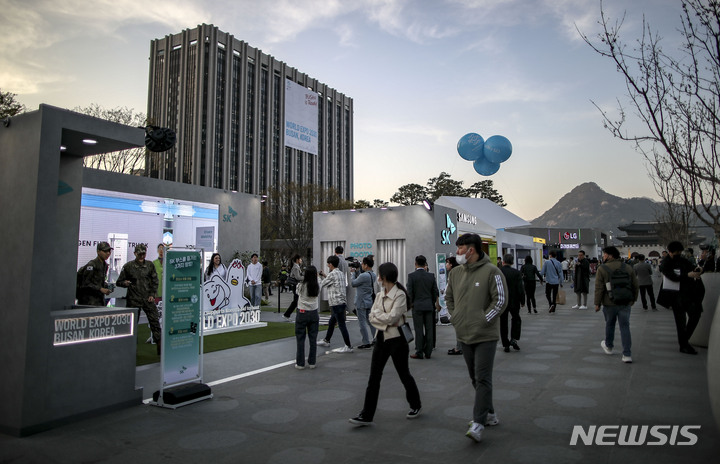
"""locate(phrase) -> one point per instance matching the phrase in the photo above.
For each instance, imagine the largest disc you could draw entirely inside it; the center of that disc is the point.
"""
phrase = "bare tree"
(676, 98)
(125, 161)
(288, 213)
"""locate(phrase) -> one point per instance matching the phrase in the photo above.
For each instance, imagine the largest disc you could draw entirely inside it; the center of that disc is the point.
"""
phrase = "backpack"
(79, 281)
(620, 283)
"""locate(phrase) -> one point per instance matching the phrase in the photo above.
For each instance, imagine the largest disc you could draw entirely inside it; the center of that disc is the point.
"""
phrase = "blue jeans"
(363, 316)
(622, 315)
(306, 323)
(338, 315)
(480, 358)
(255, 294)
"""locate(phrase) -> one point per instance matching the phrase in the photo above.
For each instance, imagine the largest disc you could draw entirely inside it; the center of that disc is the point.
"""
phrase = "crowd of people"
(483, 301)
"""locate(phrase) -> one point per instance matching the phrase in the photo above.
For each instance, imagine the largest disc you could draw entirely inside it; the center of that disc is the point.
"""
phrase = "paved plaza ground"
(266, 411)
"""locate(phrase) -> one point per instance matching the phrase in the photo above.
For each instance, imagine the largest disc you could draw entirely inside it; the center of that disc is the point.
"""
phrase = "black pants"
(397, 349)
(686, 320)
(516, 323)
(649, 290)
(551, 291)
(293, 305)
(530, 294)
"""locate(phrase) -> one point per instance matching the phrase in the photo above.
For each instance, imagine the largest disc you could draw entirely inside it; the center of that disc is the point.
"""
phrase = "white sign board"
(301, 118)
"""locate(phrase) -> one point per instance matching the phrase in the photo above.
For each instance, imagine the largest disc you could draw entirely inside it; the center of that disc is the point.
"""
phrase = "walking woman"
(386, 315)
(215, 267)
(307, 321)
(295, 278)
(529, 271)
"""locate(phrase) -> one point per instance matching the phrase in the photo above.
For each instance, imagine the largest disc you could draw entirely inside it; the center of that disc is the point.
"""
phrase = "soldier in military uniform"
(141, 280)
(91, 286)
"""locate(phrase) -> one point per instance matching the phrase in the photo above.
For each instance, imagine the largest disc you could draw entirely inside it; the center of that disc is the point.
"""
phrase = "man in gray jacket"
(476, 295)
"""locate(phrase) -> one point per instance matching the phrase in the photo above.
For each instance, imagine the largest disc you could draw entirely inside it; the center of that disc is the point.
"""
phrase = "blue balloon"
(470, 146)
(497, 149)
(484, 167)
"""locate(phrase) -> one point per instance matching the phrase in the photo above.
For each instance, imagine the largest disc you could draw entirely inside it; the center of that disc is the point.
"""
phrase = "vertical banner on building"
(441, 277)
(181, 328)
(301, 118)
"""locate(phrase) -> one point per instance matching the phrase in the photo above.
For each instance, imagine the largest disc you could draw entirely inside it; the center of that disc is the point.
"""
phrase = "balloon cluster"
(486, 155)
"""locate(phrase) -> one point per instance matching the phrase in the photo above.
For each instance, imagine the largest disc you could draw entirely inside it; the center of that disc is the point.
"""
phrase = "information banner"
(181, 329)
(441, 281)
(301, 118)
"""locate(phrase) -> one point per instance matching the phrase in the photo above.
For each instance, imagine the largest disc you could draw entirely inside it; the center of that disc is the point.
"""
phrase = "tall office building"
(244, 120)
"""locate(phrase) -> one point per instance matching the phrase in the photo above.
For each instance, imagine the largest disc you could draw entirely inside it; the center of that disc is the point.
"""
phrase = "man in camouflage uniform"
(141, 280)
(91, 286)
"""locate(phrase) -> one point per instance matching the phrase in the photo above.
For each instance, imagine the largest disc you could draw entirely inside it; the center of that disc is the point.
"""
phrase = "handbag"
(406, 332)
(560, 297)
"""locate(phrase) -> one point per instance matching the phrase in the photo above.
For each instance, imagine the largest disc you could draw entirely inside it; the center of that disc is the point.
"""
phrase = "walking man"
(644, 273)
(476, 295)
(616, 289)
(141, 280)
(552, 272)
(423, 293)
(515, 300)
(335, 282)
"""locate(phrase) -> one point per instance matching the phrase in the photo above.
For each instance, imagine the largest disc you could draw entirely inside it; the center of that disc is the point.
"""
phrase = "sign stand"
(181, 357)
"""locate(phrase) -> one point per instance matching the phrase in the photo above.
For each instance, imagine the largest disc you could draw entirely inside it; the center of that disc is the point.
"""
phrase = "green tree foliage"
(377, 203)
(485, 189)
(125, 161)
(360, 204)
(287, 214)
(409, 194)
(443, 185)
(9, 106)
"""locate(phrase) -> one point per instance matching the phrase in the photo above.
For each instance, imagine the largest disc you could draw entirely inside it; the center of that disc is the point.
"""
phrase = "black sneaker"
(413, 413)
(360, 421)
(515, 345)
(506, 349)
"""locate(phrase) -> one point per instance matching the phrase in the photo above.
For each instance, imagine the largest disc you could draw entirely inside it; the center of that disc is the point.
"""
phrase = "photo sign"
(182, 306)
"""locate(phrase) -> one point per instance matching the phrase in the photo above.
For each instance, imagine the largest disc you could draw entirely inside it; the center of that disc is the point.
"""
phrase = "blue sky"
(422, 74)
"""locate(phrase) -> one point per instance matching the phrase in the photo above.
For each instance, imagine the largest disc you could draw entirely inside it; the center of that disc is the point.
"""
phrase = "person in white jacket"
(386, 315)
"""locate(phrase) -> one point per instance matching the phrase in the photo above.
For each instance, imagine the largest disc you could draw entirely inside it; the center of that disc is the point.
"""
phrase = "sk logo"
(448, 231)
(231, 214)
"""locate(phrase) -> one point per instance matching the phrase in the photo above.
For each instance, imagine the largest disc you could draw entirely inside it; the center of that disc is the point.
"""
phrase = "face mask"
(461, 259)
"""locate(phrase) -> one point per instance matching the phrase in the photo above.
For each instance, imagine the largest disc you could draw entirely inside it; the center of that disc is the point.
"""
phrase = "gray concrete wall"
(44, 385)
(420, 228)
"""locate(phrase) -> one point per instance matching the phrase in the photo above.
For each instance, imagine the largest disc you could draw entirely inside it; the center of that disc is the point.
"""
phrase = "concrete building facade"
(226, 102)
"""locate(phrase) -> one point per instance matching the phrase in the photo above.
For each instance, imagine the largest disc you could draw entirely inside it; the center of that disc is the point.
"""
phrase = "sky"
(422, 73)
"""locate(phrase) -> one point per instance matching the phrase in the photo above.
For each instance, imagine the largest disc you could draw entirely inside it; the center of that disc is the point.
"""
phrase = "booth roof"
(486, 210)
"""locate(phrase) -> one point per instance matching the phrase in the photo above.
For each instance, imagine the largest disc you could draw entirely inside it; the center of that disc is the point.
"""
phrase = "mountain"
(587, 205)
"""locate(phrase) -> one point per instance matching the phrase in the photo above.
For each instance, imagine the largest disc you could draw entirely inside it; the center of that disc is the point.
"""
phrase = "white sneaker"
(475, 432)
(299, 367)
(575, 306)
(311, 366)
(583, 307)
(626, 359)
(323, 342)
(491, 419)
(286, 318)
(344, 349)
(605, 348)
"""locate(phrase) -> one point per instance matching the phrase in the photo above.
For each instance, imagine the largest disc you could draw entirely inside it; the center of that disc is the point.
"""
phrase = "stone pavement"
(265, 411)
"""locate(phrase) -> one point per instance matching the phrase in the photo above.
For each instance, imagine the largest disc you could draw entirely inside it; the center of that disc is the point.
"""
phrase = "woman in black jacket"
(529, 271)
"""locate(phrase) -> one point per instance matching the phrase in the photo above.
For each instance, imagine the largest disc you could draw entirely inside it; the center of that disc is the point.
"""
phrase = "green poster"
(182, 298)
